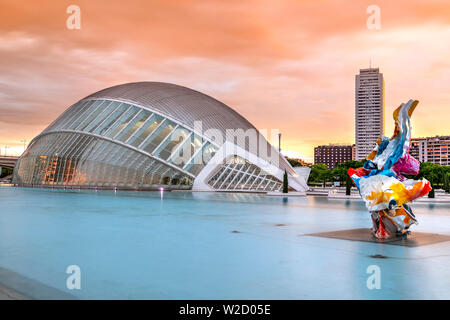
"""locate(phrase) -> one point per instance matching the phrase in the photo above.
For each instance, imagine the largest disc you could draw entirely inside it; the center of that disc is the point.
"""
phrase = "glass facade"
(67, 159)
(106, 143)
(114, 144)
(237, 174)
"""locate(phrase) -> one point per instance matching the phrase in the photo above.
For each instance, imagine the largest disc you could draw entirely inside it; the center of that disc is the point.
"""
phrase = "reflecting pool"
(183, 245)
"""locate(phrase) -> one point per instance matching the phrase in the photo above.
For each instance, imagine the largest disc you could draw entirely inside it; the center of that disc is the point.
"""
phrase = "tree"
(446, 182)
(318, 172)
(432, 172)
(294, 163)
(348, 185)
(431, 193)
(285, 182)
(5, 172)
(326, 176)
(340, 172)
(321, 173)
(445, 172)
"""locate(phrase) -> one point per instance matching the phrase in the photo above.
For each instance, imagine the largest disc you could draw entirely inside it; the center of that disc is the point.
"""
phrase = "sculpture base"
(414, 239)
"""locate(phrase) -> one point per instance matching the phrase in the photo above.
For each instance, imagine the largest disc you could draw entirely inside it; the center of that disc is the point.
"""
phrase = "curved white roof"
(186, 106)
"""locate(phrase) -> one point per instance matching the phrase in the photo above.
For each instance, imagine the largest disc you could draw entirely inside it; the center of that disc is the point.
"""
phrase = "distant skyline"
(286, 65)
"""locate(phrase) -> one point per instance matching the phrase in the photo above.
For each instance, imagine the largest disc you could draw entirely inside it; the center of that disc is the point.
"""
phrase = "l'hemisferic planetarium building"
(152, 135)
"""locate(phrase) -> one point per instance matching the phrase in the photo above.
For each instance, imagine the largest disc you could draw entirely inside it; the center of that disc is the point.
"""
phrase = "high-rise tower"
(369, 110)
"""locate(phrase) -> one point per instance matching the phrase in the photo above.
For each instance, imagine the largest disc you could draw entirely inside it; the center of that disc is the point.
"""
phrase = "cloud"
(286, 65)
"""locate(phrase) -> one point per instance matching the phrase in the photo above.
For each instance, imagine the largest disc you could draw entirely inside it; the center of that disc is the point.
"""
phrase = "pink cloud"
(286, 65)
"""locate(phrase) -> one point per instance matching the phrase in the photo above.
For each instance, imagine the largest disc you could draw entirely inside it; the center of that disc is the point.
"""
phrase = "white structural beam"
(298, 183)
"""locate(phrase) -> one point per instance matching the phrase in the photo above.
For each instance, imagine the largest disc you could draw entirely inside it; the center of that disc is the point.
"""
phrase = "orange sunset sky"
(286, 65)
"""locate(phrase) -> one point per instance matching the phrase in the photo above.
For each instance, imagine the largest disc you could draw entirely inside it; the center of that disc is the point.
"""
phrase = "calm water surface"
(139, 245)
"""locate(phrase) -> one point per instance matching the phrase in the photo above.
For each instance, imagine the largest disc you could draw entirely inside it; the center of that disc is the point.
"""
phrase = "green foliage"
(294, 163)
(340, 170)
(285, 182)
(434, 173)
(439, 176)
(326, 176)
(6, 172)
(316, 172)
(321, 173)
(339, 173)
(446, 186)
(348, 185)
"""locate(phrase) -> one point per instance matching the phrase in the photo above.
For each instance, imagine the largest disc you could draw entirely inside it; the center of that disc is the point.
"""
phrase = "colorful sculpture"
(381, 183)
